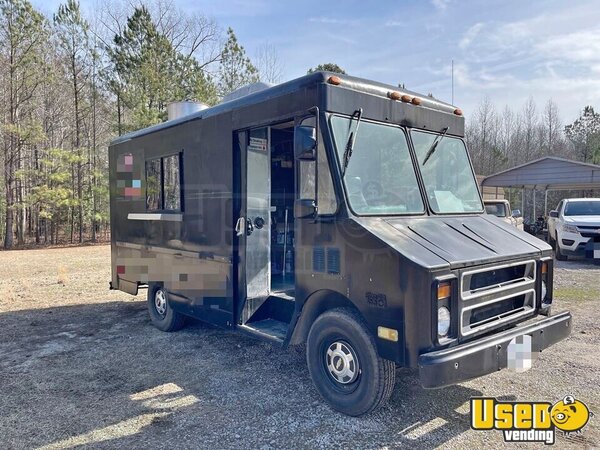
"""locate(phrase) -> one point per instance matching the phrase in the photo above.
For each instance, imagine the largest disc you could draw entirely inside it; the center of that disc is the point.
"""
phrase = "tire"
(339, 340)
(551, 241)
(557, 253)
(161, 314)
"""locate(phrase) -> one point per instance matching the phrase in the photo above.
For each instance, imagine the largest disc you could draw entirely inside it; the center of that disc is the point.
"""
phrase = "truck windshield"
(380, 177)
(448, 178)
(496, 209)
(589, 208)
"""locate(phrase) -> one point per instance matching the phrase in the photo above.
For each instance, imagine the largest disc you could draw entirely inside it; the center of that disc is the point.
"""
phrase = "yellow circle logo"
(569, 415)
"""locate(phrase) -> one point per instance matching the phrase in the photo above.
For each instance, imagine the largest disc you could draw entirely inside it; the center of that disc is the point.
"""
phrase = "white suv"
(574, 228)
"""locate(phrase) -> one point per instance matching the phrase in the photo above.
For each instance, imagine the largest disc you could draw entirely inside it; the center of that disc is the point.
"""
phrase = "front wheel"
(344, 365)
(162, 315)
(550, 241)
(559, 255)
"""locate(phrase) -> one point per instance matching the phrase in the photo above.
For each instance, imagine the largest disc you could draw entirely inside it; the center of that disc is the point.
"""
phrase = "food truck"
(335, 212)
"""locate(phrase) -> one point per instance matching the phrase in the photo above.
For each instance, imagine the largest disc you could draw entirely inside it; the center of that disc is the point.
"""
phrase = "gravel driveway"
(82, 366)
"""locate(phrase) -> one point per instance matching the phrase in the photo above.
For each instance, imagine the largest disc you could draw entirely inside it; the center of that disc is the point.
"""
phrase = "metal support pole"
(546, 203)
(523, 201)
(534, 215)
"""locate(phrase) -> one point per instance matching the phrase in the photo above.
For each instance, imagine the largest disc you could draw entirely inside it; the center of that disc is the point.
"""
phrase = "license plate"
(519, 354)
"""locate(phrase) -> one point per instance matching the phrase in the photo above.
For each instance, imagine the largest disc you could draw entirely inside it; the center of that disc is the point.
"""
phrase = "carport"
(547, 174)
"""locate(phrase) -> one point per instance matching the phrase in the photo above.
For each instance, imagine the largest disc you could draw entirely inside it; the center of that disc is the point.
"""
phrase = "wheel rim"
(342, 363)
(160, 302)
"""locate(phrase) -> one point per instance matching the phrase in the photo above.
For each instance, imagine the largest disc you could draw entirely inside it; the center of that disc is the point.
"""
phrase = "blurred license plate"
(519, 354)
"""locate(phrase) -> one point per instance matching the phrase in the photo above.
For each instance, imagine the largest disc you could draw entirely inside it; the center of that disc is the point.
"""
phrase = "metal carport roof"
(549, 173)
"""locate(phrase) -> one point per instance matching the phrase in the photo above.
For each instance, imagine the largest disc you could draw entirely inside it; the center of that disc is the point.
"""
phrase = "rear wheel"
(344, 365)
(162, 315)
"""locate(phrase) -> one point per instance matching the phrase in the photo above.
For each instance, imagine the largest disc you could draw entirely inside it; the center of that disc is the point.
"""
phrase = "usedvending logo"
(529, 421)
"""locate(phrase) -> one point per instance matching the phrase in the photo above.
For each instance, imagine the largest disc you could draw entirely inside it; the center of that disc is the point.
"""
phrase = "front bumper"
(486, 355)
(573, 244)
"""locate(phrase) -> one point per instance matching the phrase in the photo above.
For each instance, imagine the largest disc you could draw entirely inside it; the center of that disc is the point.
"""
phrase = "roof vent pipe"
(175, 110)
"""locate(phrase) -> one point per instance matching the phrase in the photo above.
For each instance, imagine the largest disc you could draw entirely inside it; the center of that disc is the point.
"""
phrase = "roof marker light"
(334, 80)
(406, 98)
(458, 112)
(416, 101)
(394, 95)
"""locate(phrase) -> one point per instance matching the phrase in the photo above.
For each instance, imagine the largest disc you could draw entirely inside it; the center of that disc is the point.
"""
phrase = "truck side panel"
(189, 251)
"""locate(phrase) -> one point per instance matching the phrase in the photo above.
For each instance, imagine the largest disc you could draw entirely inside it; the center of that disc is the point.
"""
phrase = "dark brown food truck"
(337, 212)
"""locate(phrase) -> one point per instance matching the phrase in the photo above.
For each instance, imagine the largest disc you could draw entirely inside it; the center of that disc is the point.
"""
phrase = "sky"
(507, 50)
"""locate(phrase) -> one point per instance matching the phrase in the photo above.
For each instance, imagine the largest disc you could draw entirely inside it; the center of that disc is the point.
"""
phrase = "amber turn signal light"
(444, 290)
(544, 268)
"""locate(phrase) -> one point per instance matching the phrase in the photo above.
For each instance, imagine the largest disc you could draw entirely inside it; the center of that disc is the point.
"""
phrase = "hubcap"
(342, 362)
(160, 302)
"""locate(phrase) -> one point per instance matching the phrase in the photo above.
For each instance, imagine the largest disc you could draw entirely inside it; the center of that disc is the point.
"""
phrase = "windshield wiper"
(434, 145)
(350, 144)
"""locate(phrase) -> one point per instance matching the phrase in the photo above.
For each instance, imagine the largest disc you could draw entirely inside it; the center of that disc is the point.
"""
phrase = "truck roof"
(346, 82)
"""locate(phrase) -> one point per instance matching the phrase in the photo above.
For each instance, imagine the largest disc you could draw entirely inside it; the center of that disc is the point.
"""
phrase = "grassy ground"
(81, 366)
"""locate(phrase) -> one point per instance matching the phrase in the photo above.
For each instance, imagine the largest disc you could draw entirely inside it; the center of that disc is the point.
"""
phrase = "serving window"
(163, 183)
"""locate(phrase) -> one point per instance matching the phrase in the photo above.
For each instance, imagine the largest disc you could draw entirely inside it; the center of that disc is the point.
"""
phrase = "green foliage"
(328, 67)
(55, 197)
(584, 133)
(236, 69)
(72, 30)
(23, 28)
(66, 87)
(149, 72)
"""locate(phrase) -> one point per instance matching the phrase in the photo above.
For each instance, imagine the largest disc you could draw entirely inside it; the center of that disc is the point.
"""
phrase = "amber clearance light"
(458, 112)
(334, 80)
(394, 95)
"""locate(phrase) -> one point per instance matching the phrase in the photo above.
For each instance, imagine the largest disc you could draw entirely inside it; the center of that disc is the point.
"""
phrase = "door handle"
(239, 226)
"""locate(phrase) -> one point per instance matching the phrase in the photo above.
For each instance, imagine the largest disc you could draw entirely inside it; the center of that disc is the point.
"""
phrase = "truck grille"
(589, 231)
(495, 295)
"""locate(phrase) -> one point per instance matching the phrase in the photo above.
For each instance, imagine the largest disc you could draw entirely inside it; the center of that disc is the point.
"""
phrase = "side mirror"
(304, 208)
(305, 142)
(516, 213)
(553, 214)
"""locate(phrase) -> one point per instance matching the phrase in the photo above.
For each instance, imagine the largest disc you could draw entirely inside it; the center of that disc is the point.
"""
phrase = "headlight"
(443, 321)
(544, 290)
(569, 228)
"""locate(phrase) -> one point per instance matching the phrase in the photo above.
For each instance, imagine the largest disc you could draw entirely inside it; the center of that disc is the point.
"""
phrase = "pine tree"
(150, 73)
(236, 69)
(23, 33)
(328, 67)
(584, 133)
(74, 42)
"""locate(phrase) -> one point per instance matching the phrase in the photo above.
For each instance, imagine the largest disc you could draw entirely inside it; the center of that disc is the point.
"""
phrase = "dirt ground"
(81, 366)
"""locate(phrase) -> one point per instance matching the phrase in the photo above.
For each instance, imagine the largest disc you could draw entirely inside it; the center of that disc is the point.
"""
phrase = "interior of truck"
(282, 208)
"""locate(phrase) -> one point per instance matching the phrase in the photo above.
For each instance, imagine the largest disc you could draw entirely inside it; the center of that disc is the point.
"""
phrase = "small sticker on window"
(258, 144)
